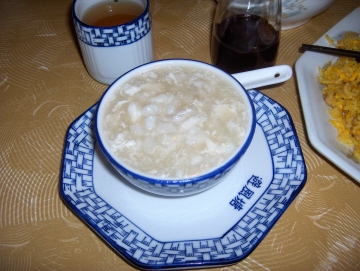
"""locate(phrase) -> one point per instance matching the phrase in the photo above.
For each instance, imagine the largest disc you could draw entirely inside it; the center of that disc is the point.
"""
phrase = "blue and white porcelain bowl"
(172, 186)
(298, 12)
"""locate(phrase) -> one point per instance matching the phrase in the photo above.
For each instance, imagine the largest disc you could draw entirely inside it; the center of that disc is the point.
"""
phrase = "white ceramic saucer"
(217, 227)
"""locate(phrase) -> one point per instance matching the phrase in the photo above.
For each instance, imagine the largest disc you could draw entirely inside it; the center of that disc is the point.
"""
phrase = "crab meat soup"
(175, 121)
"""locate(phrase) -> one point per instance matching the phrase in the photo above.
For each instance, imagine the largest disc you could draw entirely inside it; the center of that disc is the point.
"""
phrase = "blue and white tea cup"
(108, 52)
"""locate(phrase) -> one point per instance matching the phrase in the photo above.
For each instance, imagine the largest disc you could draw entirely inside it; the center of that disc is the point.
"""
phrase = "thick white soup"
(175, 121)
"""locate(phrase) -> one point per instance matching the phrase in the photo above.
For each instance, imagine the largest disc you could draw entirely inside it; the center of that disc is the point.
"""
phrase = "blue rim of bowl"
(153, 180)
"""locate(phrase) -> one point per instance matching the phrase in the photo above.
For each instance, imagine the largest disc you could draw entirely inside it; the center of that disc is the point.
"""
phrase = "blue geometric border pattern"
(114, 36)
(144, 251)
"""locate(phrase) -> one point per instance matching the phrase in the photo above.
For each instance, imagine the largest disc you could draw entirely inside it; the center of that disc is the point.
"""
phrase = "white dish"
(322, 135)
(220, 226)
(298, 12)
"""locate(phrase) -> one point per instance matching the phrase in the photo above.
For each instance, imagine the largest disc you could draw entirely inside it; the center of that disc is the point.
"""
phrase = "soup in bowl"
(174, 127)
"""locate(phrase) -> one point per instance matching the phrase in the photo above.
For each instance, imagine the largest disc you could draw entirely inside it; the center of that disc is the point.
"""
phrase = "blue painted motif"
(246, 193)
(114, 36)
(144, 251)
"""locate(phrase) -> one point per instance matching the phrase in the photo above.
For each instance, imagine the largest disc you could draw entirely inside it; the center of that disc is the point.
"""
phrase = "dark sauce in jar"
(244, 42)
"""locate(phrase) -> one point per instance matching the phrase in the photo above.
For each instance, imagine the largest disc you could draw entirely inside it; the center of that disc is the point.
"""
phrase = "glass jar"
(245, 34)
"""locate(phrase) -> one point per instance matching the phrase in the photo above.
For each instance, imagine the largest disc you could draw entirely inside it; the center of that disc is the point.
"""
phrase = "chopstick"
(332, 51)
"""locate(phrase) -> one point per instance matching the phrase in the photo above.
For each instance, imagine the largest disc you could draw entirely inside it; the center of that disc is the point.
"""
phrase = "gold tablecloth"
(44, 86)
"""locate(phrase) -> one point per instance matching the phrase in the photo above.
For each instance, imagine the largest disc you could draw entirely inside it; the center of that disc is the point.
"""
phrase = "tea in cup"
(114, 36)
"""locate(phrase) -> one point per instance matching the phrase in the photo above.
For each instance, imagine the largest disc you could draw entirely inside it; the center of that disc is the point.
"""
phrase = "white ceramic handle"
(264, 77)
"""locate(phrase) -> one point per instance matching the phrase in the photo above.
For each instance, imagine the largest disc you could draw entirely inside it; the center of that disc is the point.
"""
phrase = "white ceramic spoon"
(264, 77)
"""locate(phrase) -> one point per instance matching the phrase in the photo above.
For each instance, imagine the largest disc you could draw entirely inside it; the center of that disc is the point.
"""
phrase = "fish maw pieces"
(176, 121)
(223, 112)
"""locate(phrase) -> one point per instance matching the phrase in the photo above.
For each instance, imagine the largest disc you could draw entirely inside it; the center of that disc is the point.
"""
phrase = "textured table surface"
(44, 86)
